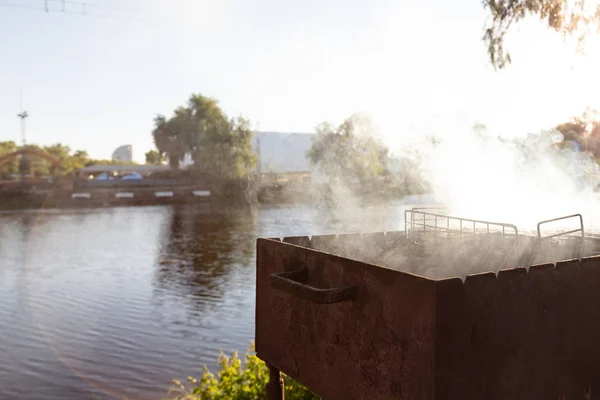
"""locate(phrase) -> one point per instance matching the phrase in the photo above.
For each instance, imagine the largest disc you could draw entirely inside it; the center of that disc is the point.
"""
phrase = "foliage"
(25, 165)
(10, 167)
(220, 147)
(69, 162)
(236, 382)
(36, 166)
(168, 139)
(153, 157)
(350, 152)
(569, 17)
(582, 131)
(572, 130)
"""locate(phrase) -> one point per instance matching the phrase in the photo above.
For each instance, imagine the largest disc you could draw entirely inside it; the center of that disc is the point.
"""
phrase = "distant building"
(123, 154)
(285, 153)
(277, 152)
(187, 161)
(282, 152)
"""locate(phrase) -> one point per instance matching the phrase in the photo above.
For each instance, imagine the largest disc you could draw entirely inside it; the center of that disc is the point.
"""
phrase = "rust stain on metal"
(342, 350)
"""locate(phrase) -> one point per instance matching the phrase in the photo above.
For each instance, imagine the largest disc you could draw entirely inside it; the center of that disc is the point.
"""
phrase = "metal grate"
(418, 220)
(565, 233)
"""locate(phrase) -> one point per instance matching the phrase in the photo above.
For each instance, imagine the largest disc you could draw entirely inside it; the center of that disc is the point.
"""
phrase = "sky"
(96, 81)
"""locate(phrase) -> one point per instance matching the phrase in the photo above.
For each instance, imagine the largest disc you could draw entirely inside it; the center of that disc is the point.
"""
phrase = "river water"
(114, 303)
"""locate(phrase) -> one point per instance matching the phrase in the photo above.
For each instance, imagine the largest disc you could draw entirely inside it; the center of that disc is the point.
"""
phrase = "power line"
(83, 11)
(24, 6)
(94, 5)
(86, 13)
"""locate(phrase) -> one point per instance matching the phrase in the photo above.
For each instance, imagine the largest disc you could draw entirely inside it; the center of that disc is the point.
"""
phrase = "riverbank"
(365, 193)
(230, 194)
(23, 200)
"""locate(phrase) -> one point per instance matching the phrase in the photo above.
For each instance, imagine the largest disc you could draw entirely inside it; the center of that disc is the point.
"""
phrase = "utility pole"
(24, 163)
(23, 115)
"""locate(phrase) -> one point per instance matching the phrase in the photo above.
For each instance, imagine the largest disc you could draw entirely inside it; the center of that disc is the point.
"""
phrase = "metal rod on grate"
(564, 233)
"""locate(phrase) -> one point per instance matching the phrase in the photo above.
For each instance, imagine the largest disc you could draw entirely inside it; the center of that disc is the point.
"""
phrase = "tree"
(70, 161)
(44, 162)
(62, 153)
(349, 153)
(584, 131)
(80, 159)
(25, 165)
(153, 157)
(33, 165)
(572, 130)
(168, 138)
(220, 147)
(10, 168)
(569, 17)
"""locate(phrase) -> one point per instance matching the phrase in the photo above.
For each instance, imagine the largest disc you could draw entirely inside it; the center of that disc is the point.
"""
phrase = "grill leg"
(275, 388)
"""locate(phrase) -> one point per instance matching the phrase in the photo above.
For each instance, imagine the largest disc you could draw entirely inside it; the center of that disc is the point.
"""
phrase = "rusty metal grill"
(351, 317)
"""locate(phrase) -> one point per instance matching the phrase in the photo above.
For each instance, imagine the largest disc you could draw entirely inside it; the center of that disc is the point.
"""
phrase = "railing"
(131, 183)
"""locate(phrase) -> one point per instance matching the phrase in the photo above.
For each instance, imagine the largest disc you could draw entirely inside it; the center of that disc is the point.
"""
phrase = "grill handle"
(292, 283)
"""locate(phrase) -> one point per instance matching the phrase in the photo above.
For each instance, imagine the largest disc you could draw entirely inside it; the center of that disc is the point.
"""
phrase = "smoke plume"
(519, 180)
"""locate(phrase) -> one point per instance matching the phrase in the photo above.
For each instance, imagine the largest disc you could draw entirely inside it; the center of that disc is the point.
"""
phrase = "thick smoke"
(475, 174)
(519, 180)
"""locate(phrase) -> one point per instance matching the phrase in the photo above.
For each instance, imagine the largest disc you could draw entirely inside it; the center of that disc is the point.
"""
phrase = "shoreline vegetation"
(236, 380)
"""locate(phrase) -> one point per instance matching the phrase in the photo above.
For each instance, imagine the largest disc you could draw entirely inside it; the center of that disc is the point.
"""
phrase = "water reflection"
(201, 248)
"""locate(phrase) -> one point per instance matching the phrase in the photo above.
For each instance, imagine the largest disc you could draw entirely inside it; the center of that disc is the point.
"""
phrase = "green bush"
(236, 382)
